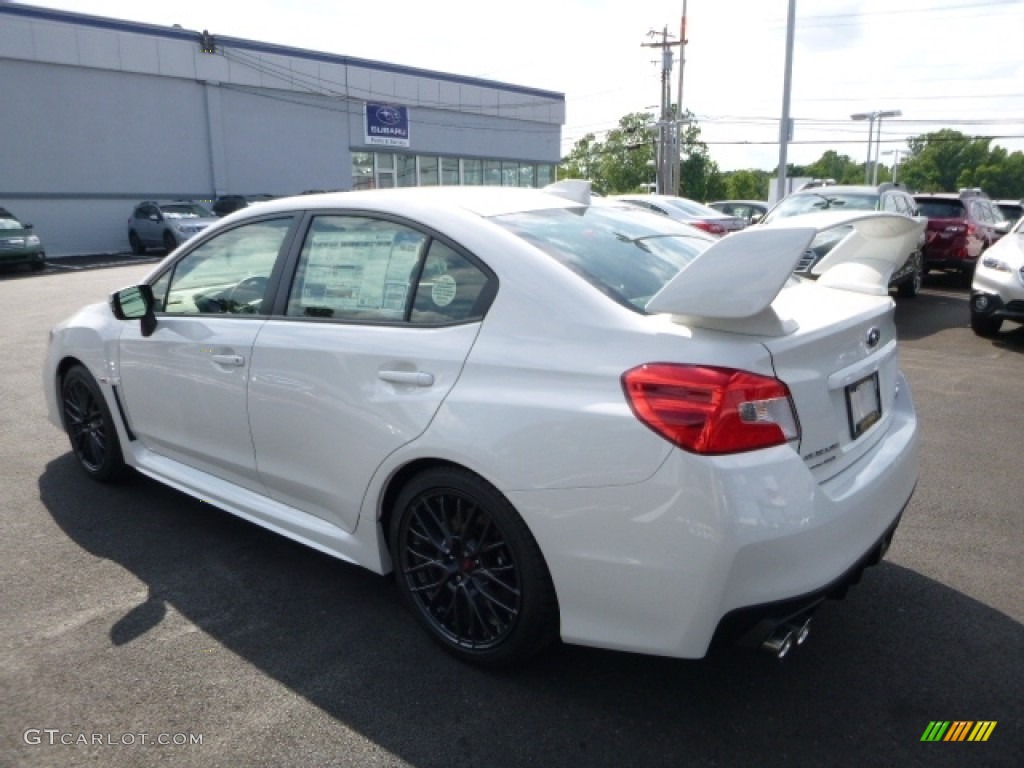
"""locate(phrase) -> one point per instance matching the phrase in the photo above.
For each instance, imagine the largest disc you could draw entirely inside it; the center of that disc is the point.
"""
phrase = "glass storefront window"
(450, 171)
(406, 170)
(527, 175)
(387, 169)
(492, 173)
(509, 173)
(472, 172)
(362, 170)
(428, 171)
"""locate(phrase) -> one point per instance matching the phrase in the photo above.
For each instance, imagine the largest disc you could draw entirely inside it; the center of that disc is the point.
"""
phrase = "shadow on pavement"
(901, 651)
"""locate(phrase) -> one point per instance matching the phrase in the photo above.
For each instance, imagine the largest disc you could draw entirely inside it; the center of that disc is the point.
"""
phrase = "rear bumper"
(751, 626)
(700, 549)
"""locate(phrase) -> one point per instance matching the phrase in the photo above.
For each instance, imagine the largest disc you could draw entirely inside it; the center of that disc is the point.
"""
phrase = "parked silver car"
(166, 225)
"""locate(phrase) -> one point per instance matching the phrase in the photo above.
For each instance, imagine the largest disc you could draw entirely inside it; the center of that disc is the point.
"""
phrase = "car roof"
(848, 189)
(484, 201)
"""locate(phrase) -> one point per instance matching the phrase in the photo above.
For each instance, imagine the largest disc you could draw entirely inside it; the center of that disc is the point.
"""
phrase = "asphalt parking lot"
(133, 614)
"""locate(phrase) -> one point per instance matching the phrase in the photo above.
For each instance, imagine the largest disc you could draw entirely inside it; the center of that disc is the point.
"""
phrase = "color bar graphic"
(958, 730)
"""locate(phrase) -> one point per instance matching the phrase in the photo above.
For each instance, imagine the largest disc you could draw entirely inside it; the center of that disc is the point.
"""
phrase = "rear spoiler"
(731, 286)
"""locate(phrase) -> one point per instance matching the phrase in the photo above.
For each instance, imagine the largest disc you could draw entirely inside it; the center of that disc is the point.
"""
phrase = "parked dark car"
(961, 227)
(18, 243)
(226, 204)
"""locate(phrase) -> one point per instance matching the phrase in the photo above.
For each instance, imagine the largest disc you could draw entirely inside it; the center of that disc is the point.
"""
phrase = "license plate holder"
(863, 404)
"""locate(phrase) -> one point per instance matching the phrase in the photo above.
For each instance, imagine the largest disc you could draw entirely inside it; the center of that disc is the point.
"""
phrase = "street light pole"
(785, 125)
(871, 164)
(895, 160)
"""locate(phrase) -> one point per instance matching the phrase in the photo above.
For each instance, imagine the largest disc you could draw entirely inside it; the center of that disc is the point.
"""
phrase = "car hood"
(733, 284)
(1009, 249)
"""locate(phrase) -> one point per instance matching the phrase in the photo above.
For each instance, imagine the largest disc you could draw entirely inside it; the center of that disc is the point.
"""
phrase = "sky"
(943, 63)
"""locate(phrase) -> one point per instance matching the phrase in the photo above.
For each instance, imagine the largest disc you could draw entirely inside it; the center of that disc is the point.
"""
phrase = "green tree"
(582, 160)
(940, 161)
(697, 169)
(626, 161)
(832, 165)
(746, 185)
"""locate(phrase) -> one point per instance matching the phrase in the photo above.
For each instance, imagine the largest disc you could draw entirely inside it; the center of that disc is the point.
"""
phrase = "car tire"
(137, 247)
(89, 425)
(470, 570)
(169, 242)
(910, 287)
(985, 326)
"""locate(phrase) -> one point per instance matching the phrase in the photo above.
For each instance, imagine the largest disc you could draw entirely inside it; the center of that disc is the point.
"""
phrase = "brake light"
(710, 410)
(708, 226)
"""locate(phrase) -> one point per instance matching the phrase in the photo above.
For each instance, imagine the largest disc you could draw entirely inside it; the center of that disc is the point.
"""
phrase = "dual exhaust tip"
(786, 637)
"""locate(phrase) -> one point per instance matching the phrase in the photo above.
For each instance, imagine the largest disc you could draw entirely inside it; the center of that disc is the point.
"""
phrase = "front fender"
(88, 337)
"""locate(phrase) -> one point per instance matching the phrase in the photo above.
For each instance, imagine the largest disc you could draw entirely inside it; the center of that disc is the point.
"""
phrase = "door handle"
(407, 378)
(228, 359)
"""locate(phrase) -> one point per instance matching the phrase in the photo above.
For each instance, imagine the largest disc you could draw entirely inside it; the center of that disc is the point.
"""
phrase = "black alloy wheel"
(169, 242)
(90, 426)
(470, 569)
(911, 286)
(137, 247)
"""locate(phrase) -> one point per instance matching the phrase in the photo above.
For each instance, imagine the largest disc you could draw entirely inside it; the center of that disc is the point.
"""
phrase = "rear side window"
(627, 255)
(368, 270)
(355, 268)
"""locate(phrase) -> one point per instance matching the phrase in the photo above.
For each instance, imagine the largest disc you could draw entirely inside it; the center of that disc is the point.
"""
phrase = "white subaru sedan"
(549, 417)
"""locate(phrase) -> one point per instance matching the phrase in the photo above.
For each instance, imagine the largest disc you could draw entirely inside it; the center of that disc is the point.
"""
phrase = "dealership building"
(99, 114)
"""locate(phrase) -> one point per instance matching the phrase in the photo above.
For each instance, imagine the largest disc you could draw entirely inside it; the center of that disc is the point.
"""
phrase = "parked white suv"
(997, 291)
(166, 225)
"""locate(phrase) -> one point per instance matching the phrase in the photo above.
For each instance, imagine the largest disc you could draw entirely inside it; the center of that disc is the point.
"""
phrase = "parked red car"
(960, 227)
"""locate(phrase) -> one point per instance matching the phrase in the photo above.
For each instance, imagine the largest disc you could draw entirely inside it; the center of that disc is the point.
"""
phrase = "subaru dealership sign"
(387, 125)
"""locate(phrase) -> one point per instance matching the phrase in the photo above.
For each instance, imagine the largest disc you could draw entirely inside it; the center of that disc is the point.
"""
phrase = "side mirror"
(154, 217)
(135, 303)
(26, 225)
(756, 217)
(1003, 227)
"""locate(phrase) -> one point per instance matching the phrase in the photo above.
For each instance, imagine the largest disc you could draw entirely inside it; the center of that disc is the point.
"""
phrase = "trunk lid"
(832, 341)
(841, 365)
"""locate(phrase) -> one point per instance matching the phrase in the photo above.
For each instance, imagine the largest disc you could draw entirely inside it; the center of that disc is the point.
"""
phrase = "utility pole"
(677, 152)
(786, 124)
(666, 123)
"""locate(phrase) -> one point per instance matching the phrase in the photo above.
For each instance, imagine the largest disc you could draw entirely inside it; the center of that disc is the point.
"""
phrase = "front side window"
(227, 274)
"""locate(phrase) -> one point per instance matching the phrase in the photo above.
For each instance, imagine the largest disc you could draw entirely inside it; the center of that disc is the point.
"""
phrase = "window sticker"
(443, 291)
(360, 271)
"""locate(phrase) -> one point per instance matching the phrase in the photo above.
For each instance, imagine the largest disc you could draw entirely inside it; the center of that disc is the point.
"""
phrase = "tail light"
(711, 410)
(708, 226)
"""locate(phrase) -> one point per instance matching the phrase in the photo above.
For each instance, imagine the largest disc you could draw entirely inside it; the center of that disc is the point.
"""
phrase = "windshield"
(186, 211)
(811, 202)
(9, 222)
(627, 255)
